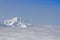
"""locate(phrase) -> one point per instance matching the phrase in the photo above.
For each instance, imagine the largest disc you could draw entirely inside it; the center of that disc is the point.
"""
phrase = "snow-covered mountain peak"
(15, 21)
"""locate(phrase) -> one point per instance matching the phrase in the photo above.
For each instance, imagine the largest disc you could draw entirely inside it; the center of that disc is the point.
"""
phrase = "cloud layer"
(45, 32)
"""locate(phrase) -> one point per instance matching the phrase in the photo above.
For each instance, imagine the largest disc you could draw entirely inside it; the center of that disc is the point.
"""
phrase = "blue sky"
(45, 12)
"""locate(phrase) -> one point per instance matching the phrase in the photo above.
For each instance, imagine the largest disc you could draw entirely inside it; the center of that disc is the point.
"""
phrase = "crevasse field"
(46, 32)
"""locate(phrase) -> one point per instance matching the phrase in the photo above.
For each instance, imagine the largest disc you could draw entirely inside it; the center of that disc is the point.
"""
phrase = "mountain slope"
(15, 22)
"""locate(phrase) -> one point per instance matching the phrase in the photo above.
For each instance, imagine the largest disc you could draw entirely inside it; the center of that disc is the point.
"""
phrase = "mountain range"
(15, 22)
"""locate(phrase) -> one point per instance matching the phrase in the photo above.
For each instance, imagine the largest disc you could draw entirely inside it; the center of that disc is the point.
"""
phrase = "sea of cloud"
(44, 32)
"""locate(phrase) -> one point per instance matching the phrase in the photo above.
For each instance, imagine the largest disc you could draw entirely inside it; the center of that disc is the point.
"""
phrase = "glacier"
(17, 29)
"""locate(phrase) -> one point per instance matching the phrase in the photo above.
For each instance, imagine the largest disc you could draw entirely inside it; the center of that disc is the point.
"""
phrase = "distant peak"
(15, 21)
(15, 17)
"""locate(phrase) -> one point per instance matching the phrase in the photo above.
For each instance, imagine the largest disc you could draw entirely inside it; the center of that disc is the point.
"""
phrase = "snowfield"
(30, 33)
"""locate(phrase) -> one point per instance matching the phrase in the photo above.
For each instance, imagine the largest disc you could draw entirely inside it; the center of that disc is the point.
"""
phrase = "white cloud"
(45, 32)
